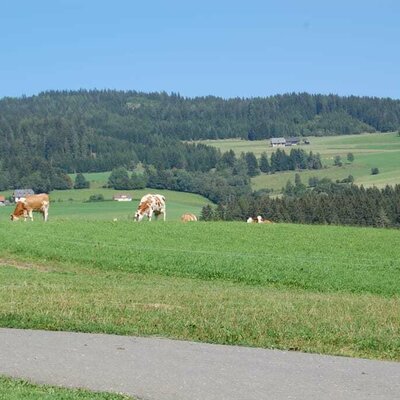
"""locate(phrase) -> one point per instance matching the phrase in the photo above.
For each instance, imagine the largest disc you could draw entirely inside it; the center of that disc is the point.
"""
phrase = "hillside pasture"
(381, 150)
(312, 288)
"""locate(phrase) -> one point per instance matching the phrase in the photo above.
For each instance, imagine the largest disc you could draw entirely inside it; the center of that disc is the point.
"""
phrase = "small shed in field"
(292, 141)
(122, 197)
(277, 142)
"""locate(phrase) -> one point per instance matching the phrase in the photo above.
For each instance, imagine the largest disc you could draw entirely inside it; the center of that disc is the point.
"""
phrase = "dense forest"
(325, 203)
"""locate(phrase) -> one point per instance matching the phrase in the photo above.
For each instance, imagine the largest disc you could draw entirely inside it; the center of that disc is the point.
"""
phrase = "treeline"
(98, 130)
(44, 175)
(326, 203)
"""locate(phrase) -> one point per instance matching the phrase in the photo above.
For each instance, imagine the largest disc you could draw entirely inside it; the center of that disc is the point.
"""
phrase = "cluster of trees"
(98, 130)
(217, 185)
(326, 203)
(35, 173)
(119, 179)
(295, 160)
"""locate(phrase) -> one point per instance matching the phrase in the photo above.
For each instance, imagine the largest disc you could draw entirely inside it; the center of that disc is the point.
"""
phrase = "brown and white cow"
(151, 204)
(34, 202)
(258, 220)
(188, 217)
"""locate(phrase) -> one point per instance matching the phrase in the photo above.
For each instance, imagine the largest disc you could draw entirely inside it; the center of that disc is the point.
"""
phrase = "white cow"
(151, 204)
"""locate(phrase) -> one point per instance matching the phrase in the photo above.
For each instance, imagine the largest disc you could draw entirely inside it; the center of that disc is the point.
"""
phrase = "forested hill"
(101, 129)
(131, 115)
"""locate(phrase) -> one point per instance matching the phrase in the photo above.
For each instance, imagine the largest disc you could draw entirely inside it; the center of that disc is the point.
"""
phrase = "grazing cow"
(151, 204)
(188, 217)
(34, 202)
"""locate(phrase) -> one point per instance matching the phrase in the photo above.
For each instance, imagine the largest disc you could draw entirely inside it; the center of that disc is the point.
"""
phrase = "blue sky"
(223, 48)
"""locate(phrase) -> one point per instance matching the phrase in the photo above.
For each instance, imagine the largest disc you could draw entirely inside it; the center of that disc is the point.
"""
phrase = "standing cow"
(151, 204)
(34, 202)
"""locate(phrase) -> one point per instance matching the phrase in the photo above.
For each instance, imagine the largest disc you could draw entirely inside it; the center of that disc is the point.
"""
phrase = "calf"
(187, 217)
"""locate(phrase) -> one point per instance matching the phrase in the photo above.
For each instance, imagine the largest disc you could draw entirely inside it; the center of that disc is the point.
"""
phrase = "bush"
(338, 161)
(96, 197)
(374, 171)
(81, 182)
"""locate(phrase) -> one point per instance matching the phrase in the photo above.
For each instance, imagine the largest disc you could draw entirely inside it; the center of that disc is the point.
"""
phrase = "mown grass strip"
(18, 389)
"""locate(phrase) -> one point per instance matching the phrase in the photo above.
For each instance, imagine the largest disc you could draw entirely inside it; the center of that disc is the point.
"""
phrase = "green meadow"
(73, 204)
(381, 150)
(324, 289)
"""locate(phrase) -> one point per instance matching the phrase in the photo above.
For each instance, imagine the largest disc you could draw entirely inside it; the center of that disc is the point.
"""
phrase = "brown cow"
(34, 202)
(187, 217)
(261, 220)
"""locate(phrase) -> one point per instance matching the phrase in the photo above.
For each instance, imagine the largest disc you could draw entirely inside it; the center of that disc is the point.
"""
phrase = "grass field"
(370, 150)
(18, 389)
(311, 288)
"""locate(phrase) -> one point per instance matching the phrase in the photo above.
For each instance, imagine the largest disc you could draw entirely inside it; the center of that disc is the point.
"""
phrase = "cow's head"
(138, 216)
(19, 211)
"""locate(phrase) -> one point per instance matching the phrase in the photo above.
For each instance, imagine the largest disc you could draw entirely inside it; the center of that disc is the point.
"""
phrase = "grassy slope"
(312, 288)
(370, 150)
(17, 389)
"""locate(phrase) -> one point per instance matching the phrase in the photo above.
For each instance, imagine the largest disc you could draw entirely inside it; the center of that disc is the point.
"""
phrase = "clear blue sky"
(224, 48)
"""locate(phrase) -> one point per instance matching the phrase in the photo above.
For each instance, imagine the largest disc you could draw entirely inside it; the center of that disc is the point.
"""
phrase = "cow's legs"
(30, 213)
(45, 212)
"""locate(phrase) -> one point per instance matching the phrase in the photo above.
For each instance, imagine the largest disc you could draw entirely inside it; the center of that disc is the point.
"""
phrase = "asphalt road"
(161, 369)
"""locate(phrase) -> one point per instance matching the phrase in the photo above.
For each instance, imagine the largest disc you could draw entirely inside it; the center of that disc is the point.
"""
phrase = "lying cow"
(258, 220)
(151, 204)
(26, 206)
(188, 217)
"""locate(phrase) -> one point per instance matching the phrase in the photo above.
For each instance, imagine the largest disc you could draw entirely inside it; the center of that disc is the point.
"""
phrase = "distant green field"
(333, 290)
(96, 179)
(370, 150)
(72, 204)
